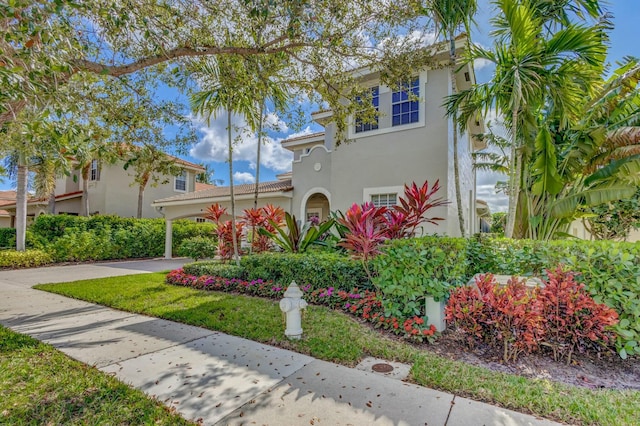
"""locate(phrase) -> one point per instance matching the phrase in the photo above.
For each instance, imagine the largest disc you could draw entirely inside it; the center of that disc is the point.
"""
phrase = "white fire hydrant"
(291, 305)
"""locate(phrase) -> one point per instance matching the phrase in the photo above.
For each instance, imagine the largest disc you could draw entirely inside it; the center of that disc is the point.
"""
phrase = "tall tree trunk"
(85, 189)
(255, 190)
(456, 162)
(51, 204)
(233, 203)
(514, 175)
(140, 198)
(21, 202)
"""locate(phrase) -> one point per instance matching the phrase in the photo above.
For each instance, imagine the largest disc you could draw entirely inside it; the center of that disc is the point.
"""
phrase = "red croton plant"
(262, 217)
(368, 226)
(559, 317)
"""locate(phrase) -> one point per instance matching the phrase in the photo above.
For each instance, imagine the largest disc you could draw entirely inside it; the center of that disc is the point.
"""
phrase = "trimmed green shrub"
(408, 270)
(319, 270)
(7, 237)
(24, 259)
(198, 247)
(74, 238)
(214, 268)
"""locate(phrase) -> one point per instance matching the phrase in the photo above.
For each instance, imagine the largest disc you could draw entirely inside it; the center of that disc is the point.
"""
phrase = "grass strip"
(334, 336)
(40, 385)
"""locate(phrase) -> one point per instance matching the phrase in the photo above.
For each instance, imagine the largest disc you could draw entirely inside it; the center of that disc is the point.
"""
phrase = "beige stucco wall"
(392, 156)
(115, 194)
(5, 221)
(198, 208)
(577, 229)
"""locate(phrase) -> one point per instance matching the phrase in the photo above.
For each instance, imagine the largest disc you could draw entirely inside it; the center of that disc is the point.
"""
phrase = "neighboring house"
(6, 198)
(411, 142)
(111, 190)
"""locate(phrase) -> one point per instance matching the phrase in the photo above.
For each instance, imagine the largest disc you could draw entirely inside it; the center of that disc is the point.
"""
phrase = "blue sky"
(211, 147)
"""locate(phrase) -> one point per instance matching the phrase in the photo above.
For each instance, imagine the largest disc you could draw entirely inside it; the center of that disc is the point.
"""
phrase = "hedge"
(408, 269)
(7, 237)
(214, 268)
(24, 259)
(76, 238)
(314, 269)
(317, 269)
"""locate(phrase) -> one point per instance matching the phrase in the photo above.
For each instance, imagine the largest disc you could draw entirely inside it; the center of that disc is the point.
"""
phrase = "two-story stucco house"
(111, 190)
(411, 141)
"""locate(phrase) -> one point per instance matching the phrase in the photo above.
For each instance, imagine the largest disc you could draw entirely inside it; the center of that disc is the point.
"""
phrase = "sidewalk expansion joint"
(453, 402)
(159, 350)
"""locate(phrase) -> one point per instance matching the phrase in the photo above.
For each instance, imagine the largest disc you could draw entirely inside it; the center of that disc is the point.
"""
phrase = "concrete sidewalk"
(219, 379)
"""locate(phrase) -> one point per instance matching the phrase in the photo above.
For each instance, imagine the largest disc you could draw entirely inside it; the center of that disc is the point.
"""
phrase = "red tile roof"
(223, 191)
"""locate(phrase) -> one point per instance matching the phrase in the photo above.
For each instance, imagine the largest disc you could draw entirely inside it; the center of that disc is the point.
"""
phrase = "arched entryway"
(317, 206)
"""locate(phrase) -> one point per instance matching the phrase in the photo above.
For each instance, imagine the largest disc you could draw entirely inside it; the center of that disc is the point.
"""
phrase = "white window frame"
(422, 113)
(368, 192)
(94, 171)
(315, 211)
(177, 179)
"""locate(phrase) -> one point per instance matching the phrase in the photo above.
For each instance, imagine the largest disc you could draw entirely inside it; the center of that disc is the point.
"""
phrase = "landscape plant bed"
(333, 336)
(40, 385)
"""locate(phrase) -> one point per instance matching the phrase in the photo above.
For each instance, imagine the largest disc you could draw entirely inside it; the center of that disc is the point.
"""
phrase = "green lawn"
(41, 386)
(334, 336)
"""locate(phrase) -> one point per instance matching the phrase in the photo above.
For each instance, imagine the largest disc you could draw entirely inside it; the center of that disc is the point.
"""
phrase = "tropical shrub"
(24, 259)
(316, 269)
(214, 268)
(269, 218)
(7, 237)
(294, 239)
(560, 316)
(573, 320)
(609, 270)
(408, 270)
(367, 226)
(198, 247)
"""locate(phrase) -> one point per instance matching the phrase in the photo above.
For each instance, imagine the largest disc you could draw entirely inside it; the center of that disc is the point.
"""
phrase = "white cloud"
(214, 146)
(243, 177)
(481, 63)
(274, 122)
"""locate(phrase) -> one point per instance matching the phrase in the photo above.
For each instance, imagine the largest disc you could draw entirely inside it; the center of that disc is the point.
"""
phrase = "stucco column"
(168, 238)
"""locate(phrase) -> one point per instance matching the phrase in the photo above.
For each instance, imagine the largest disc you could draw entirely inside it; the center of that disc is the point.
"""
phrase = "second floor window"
(94, 172)
(181, 182)
(384, 200)
(362, 126)
(405, 106)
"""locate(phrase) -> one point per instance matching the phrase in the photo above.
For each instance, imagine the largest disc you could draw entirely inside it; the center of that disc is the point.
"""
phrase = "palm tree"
(226, 87)
(450, 16)
(540, 62)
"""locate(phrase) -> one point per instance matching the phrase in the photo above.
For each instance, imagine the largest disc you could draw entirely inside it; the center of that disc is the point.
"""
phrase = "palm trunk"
(456, 164)
(21, 203)
(233, 203)
(85, 190)
(140, 198)
(255, 190)
(514, 175)
(51, 204)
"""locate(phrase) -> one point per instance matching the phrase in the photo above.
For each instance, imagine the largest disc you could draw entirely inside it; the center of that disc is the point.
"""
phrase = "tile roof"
(303, 137)
(223, 191)
(200, 186)
(7, 197)
(186, 163)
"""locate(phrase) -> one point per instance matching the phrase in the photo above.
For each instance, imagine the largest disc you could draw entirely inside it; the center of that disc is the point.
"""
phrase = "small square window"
(384, 200)
(181, 182)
